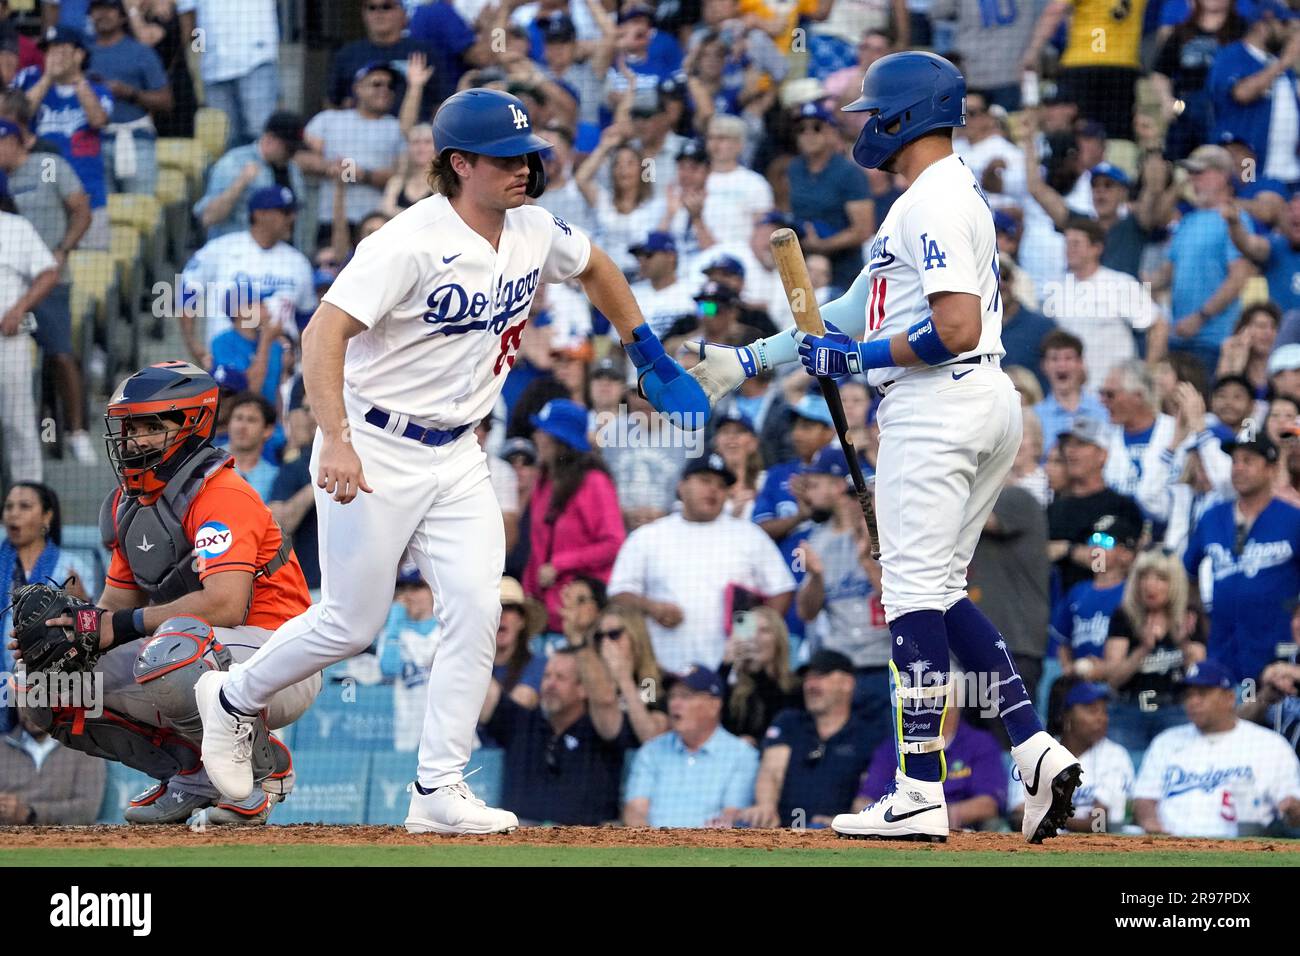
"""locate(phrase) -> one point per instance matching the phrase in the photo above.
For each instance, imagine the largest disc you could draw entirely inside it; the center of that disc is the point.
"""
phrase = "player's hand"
(341, 474)
(666, 614)
(722, 368)
(831, 354)
(105, 627)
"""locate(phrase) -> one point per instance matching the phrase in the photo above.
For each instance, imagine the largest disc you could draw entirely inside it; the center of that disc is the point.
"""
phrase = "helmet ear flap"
(536, 176)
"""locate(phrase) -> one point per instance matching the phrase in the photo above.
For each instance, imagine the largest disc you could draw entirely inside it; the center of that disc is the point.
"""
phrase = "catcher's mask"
(157, 419)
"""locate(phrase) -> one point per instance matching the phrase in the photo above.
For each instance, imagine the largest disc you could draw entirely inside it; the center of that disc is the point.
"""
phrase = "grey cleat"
(163, 804)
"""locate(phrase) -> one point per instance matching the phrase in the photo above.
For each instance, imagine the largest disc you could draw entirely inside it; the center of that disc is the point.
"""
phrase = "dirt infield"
(126, 838)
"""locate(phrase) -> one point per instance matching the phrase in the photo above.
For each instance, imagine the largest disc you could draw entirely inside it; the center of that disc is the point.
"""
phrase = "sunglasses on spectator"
(380, 7)
(612, 634)
(1102, 540)
(812, 126)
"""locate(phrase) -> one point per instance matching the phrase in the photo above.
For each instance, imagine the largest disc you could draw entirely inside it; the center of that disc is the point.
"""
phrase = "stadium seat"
(186, 155)
(94, 295)
(211, 128)
(326, 788)
(1255, 290)
(174, 193)
(124, 247)
(145, 215)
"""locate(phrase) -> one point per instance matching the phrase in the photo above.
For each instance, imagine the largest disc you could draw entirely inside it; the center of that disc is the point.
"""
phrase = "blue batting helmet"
(911, 93)
(491, 123)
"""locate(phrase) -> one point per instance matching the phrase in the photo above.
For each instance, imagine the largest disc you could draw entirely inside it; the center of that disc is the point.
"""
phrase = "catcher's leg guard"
(169, 665)
(157, 751)
(920, 688)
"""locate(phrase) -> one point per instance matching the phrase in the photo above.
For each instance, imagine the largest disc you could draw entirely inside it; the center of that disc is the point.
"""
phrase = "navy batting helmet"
(491, 123)
(911, 93)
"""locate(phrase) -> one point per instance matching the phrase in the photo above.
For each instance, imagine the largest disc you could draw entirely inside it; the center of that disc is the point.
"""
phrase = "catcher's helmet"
(910, 93)
(180, 397)
(491, 123)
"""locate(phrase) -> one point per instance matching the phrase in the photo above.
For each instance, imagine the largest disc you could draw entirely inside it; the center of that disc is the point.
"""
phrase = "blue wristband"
(876, 353)
(925, 342)
(137, 619)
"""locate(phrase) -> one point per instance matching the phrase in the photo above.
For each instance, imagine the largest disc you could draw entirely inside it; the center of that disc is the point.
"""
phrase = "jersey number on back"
(876, 307)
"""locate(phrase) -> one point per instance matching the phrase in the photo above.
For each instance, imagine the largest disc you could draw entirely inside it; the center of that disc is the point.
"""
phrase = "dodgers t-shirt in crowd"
(1082, 621)
(1254, 589)
(1135, 443)
(1161, 669)
(62, 120)
(776, 500)
(1283, 273)
(1210, 784)
(235, 351)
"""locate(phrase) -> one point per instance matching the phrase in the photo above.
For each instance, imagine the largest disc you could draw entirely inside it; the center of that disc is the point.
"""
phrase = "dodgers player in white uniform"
(408, 351)
(929, 305)
(1219, 775)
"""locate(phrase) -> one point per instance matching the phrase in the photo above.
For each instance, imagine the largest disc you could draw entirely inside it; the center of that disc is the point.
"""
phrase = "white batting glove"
(722, 368)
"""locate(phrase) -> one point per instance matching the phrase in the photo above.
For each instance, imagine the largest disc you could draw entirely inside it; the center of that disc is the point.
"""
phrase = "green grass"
(451, 854)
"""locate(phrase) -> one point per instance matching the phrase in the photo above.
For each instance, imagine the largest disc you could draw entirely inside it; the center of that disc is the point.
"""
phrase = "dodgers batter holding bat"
(408, 350)
(928, 306)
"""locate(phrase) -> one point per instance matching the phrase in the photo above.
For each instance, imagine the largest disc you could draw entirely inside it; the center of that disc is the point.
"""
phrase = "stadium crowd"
(691, 631)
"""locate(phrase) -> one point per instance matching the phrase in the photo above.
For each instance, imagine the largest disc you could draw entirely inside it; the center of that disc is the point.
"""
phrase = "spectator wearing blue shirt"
(385, 24)
(406, 648)
(1253, 88)
(1250, 549)
(139, 85)
(73, 14)
(293, 498)
(1207, 270)
(1081, 622)
(71, 113)
(814, 757)
(697, 774)
(652, 55)
(780, 508)
(829, 194)
(451, 42)
(252, 345)
(1276, 253)
(1063, 367)
(252, 421)
(564, 758)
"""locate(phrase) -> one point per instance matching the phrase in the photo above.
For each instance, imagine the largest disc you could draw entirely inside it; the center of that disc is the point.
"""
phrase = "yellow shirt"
(785, 11)
(1105, 33)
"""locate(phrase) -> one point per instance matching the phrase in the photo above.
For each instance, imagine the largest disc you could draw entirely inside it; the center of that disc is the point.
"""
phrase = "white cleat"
(455, 809)
(227, 740)
(1050, 775)
(912, 810)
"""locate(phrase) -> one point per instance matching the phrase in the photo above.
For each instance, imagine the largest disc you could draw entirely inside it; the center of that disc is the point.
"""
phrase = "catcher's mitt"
(55, 650)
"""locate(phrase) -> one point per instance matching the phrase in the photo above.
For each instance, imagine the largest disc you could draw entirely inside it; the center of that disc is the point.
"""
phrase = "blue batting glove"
(664, 383)
(832, 354)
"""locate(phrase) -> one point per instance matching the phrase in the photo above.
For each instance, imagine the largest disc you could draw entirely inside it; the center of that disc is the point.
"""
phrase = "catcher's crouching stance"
(200, 577)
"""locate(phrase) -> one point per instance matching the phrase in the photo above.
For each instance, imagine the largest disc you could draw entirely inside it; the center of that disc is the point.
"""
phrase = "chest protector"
(152, 537)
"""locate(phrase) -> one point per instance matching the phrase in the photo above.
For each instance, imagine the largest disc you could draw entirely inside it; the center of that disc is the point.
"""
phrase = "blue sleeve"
(1195, 552)
(740, 787)
(1063, 619)
(1174, 12)
(640, 782)
(666, 52)
(533, 671)
(288, 482)
(769, 496)
(226, 352)
(1228, 69)
(155, 76)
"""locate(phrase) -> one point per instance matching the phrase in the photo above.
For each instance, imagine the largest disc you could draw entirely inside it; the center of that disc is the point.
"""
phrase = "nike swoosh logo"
(447, 260)
(891, 817)
(958, 376)
(1032, 788)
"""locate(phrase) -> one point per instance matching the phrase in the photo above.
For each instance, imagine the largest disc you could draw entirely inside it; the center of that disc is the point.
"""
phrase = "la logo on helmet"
(520, 117)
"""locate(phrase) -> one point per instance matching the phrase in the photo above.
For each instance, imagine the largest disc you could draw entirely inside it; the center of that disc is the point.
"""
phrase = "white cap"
(1284, 359)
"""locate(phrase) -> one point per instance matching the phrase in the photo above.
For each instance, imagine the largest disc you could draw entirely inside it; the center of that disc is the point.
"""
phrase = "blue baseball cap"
(1005, 222)
(1208, 673)
(830, 460)
(727, 263)
(700, 679)
(1111, 171)
(1086, 693)
(377, 66)
(654, 242)
(243, 294)
(272, 197)
(564, 420)
(814, 409)
(62, 34)
(814, 110)
(230, 378)
(734, 416)
(10, 128)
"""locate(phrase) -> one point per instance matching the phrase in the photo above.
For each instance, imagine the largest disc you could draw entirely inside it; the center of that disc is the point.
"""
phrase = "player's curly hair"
(442, 178)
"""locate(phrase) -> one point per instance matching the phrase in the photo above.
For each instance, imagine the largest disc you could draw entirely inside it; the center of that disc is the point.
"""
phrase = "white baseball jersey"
(235, 258)
(938, 237)
(1107, 783)
(1208, 784)
(663, 307)
(443, 310)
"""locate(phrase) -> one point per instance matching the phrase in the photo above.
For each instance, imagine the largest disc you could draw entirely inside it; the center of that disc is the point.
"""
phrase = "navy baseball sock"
(981, 649)
(920, 651)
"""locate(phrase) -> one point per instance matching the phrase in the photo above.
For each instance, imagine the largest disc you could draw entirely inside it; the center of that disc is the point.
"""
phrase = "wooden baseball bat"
(808, 317)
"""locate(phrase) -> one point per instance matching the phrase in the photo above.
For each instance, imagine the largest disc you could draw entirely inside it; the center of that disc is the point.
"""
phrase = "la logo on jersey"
(519, 116)
(934, 259)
